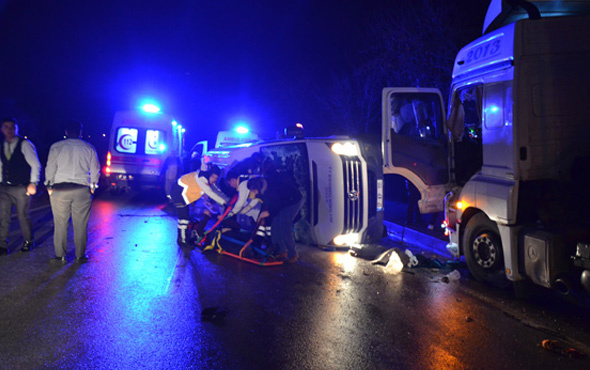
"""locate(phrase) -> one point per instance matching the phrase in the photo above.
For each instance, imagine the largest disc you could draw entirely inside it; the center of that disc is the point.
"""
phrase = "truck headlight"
(347, 239)
(348, 149)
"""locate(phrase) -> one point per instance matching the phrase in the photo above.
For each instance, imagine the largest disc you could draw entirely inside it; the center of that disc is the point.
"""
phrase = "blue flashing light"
(183, 130)
(242, 130)
(162, 147)
(174, 123)
(150, 108)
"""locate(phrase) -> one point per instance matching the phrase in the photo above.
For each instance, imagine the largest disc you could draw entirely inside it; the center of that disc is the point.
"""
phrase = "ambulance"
(145, 150)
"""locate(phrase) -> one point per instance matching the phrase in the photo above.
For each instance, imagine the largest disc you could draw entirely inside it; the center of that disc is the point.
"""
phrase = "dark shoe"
(60, 259)
(183, 242)
(184, 245)
(292, 259)
(281, 256)
(82, 259)
(27, 246)
(4, 251)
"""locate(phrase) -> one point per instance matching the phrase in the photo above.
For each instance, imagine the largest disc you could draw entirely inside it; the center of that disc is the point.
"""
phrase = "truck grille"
(353, 194)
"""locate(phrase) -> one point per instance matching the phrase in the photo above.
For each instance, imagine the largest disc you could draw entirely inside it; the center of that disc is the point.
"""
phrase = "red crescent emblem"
(121, 140)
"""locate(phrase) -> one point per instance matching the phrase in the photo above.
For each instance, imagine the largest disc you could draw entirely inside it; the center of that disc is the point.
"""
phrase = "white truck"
(145, 150)
(510, 166)
(340, 179)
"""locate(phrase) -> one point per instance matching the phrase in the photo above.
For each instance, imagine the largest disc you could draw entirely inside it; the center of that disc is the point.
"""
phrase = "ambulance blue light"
(242, 130)
(150, 108)
(174, 123)
(162, 147)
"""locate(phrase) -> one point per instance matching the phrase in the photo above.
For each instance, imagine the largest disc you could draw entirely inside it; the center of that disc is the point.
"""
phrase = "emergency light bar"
(150, 108)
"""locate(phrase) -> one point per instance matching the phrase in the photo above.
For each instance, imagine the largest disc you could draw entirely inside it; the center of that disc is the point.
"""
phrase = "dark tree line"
(411, 44)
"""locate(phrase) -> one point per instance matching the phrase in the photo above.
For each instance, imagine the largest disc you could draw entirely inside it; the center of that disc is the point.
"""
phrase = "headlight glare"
(346, 239)
(348, 149)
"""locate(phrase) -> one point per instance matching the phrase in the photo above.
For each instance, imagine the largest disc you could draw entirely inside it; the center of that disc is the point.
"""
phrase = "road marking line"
(173, 271)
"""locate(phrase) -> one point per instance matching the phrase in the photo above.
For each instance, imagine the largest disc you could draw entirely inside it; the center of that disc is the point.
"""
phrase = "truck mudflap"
(453, 249)
(453, 234)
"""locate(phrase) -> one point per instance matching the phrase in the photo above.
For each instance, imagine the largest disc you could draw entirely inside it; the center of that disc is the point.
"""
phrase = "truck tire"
(482, 248)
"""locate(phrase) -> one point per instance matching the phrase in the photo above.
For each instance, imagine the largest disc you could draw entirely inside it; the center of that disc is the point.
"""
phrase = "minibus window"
(292, 159)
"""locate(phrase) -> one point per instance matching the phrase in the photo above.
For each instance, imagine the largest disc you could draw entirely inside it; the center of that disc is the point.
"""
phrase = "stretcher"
(201, 241)
(238, 245)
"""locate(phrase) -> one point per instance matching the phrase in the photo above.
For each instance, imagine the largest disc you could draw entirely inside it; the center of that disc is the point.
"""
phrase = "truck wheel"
(482, 248)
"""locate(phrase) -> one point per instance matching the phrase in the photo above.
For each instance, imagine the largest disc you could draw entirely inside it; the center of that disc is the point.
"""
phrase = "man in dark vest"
(19, 175)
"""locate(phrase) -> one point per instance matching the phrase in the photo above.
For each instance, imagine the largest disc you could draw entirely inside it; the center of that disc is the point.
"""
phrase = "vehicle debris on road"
(556, 347)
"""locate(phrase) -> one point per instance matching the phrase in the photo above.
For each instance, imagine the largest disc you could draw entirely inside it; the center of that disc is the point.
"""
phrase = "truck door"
(415, 142)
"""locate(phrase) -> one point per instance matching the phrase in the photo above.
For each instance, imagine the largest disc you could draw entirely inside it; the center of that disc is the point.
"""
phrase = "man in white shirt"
(19, 175)
(71, 176)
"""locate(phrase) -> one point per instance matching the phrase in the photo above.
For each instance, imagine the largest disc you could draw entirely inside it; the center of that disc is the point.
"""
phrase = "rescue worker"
(188, 189)
(243, 209)
(282, 201)
(249, 166)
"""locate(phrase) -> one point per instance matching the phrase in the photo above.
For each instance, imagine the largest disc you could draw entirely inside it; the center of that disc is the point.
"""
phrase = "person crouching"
(188, 189)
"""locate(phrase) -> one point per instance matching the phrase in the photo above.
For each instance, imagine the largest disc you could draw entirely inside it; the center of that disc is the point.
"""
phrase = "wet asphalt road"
(141, 302)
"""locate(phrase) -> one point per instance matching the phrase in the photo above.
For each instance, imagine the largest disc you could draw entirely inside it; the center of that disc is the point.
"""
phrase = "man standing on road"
(71, 176)
(19, 175)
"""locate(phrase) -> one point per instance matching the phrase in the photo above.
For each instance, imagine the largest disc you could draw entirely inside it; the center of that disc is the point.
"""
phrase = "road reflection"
(385, 311)
(139, 302)
(441, 343)
(132, 263)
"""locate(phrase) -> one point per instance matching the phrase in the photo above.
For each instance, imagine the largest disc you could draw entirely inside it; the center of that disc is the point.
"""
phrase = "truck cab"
(518, 152)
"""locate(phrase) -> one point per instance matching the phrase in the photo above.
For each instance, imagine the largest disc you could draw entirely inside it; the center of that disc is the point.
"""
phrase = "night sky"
(208, 63)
